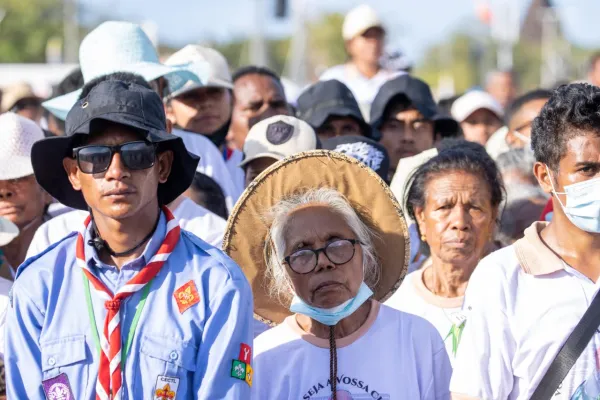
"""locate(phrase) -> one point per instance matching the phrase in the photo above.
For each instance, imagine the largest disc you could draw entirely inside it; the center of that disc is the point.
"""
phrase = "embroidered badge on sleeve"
(241, 368)
(58, 388)
(166, 388)
(186, 296)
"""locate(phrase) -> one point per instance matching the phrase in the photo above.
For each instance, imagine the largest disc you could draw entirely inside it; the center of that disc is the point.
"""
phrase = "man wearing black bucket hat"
(331, 109)
(78, 326)
(407, 116)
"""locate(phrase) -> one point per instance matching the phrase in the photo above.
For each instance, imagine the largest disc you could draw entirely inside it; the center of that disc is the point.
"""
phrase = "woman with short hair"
(323, 241)
(454, 198)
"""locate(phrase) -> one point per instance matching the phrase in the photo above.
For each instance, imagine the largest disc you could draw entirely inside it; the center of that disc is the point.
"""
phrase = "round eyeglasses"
(338, 252)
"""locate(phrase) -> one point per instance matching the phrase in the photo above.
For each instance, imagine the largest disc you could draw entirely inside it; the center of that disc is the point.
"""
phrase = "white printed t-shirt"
(522, 303)
(394, 355)
(444, 313)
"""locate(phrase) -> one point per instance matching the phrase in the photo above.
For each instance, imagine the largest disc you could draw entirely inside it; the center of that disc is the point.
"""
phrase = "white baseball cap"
(197, 59)
(472, 101)
(278, 137)
(359, 20)
(8, 231)
(18, 136)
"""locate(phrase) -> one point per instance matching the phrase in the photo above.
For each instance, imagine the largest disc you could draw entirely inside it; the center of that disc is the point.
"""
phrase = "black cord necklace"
(100, 244)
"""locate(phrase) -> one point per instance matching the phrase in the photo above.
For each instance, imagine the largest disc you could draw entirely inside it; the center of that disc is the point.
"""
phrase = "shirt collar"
(91, 255)
(534, 256)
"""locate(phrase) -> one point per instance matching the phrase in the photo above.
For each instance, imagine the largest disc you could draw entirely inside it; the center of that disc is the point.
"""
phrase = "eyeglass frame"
(323, 250)
(113, 150)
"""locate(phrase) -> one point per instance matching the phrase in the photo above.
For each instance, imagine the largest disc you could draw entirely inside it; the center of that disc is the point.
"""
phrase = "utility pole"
(296, 67)
(505, 25)
(258, 48)
(71, 30)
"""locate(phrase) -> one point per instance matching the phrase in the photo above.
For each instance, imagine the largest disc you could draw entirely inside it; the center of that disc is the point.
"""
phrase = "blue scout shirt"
(48, 330)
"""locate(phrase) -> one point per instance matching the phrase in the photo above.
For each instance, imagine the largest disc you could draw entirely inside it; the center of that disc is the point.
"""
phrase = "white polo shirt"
(445, 313)
(522, 303)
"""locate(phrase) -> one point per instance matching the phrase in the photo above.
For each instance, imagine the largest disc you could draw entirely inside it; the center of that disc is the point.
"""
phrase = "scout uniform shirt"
(194, 325)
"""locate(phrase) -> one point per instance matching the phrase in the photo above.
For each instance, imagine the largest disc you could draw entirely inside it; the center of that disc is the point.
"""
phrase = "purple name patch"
(58, 388)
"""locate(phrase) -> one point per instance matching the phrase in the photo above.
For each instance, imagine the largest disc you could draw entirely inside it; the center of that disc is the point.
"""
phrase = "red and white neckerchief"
(109, 372)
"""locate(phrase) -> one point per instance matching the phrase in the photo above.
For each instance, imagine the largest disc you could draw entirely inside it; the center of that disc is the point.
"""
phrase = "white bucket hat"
(472, 101)
(118, 47)
(201, 61)
(18, 136)
(8, 231)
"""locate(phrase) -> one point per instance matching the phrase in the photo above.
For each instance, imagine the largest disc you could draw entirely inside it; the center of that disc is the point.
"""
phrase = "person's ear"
(70, 166)
(540, 170)
(420, 220)
(510, 139)
(165, 163)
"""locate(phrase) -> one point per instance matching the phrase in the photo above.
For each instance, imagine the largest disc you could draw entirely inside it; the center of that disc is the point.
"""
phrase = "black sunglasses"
(338, 252)
(95, 159)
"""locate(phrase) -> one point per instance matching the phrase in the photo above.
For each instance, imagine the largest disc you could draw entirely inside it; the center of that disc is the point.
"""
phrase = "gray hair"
(281, 284)
(518, 160)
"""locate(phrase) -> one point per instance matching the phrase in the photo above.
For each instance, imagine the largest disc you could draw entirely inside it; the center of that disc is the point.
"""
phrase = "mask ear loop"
(553, 189)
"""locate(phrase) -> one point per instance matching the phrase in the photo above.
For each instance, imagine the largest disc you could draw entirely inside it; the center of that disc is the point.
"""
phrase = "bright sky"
(412, 24)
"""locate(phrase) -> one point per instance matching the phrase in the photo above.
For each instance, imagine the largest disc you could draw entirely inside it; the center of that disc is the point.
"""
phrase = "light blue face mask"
(583, 204)
(331, 316)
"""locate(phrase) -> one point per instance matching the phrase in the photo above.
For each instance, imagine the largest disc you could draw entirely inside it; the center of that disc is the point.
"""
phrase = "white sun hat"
(116, 46)
(8, 231)
(201, 61)
(18, 136)
(359, 20)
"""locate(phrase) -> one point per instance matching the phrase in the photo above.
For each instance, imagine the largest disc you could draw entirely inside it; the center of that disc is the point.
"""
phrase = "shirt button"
(174, 355)
(51, 361)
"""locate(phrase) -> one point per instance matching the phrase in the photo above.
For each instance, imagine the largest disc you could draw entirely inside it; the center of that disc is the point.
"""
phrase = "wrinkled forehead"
(314, 223)
(257, 86)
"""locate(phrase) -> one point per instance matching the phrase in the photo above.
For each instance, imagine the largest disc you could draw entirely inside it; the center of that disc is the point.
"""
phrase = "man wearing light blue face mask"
(525, 300)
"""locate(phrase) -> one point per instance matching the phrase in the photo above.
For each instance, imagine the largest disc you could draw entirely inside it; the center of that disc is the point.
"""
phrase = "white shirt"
(444, 313)
(236, 173)
(5, 286)
(522, 304)
(192, 217)
(364, 89)
(394, 355)
(211, 164)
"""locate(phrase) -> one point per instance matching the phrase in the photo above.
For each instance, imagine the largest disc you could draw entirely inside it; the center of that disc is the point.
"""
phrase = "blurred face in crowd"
(594, 74)
(520, 124)
(119, 192)
(254, 95)
(368, 47)
(22, 200)
(502, 87)
(480, 126)
(256, 167)
(30, 109)
(202, 110)
(327, 285)
(458, 217)
(581, 162)
(339, 126)
(405, 132)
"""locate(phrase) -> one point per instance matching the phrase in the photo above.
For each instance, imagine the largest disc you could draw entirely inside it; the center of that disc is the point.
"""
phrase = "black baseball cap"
(124, 103)
(327, 99)
(368, 151)
(418, 94)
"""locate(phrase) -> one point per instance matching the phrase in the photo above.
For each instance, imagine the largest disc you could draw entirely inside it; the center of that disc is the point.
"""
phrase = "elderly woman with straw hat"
(322, 241)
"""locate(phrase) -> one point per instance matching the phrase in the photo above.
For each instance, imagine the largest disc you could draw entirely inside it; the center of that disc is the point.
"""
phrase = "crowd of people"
(360, 241)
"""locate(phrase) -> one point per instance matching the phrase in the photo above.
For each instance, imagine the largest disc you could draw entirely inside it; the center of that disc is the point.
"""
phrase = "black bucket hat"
(124, 103)
(327, 99)
(418, 94)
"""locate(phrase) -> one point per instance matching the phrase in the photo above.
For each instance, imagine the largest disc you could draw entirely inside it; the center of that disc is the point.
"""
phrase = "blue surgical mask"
(583, 204)
(331, 316)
